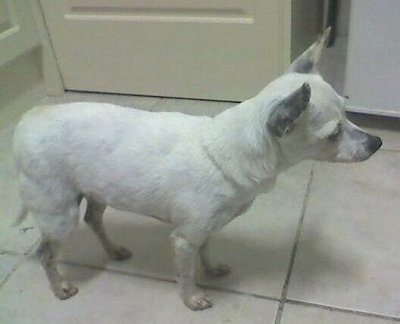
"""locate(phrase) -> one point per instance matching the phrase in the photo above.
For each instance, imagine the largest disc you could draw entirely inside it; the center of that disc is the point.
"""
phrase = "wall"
(27, 65)
(334, 59)
(21, 85)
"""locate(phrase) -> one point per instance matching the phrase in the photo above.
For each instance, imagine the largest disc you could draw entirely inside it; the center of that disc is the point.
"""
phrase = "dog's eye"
(336, 134)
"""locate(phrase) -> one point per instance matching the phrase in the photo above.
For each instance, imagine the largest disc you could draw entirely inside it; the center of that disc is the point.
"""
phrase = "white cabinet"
(372, 80)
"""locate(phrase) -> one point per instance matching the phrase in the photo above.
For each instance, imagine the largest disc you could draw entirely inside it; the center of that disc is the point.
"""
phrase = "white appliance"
(372, 77)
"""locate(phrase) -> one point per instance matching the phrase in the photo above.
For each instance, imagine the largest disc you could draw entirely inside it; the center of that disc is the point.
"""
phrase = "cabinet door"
(226, 49)
(373, 61)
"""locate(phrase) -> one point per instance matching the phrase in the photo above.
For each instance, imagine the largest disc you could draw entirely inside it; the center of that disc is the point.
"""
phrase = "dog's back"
(106, 152)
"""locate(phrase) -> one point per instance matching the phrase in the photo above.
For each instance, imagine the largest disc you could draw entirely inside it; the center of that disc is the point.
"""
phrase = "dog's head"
(307, 118)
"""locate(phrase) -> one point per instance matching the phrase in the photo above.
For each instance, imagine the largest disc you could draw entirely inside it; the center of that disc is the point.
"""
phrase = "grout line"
(150, 108)
(159, 101)
(285, 287)
(148, 96)
(241, 293)
(31, 248)
(168, 280)
(343, 310)
(153, 106)
(20, 261)
(390, 150)
(116, 271)
(9, 274)
(282, 300)
(9, 252)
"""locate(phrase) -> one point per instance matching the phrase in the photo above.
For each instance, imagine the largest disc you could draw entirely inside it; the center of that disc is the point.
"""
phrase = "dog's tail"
(21, 215)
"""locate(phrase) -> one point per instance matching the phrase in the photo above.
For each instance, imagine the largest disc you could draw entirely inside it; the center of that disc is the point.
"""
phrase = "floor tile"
(348, 253)
(148, 240)
(106, 297)
(387, 128)
(193, 107)
(294, 314)
(18, 240)
(256, 245)
(13, 239)
(139, 102)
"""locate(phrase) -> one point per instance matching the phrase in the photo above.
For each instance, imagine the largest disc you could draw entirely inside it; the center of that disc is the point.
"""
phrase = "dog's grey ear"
(306, 62)
(285, 112)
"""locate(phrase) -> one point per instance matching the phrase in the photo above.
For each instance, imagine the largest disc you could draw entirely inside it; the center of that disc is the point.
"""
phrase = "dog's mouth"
(373, 144)
(359, 146)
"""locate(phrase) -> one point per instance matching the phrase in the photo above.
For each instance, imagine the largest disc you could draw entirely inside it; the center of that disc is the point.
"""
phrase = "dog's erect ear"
(306, 62)
(285, 112)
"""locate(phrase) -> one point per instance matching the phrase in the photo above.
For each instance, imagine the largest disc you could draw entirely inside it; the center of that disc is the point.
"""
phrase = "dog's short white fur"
(195, 172)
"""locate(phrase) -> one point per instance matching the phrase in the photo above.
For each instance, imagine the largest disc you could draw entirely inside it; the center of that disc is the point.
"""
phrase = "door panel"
(171, 11)
(226, 49)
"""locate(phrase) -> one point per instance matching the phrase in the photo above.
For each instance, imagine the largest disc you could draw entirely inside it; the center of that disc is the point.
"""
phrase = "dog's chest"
(225, 217)
(242, 203)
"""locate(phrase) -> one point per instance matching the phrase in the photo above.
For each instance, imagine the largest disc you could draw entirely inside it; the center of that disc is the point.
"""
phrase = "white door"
(225, 49)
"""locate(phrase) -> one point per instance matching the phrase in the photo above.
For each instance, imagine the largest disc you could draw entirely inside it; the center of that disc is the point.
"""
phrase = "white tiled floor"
(340, 264)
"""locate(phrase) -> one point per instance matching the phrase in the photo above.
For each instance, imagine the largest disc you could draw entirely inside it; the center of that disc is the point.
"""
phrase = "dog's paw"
(120, 253)
(198, 301)
(218, 271)
(66, 291)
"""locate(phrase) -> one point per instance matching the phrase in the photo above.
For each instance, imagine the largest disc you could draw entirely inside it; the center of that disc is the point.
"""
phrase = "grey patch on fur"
(373, 142)
(306, 63)
(306, 66)
(284, 114)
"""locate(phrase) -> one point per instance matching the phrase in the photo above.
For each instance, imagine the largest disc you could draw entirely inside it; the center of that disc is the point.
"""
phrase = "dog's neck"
(236, 142)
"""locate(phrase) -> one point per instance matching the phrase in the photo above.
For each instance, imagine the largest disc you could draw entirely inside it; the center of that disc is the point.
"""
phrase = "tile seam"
(342, 310)
(22, 258)
(390, 150)
(168, 280)
(285, 287)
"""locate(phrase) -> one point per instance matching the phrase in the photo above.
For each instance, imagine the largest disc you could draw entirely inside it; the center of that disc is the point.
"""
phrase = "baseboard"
(373, 111)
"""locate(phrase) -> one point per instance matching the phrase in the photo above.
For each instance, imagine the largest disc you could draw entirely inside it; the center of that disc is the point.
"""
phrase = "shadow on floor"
(252, 262)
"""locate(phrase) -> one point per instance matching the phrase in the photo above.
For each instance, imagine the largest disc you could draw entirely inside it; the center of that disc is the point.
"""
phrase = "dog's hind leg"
(213, 270)
(55, 229)
(94, 218)
(47, 253)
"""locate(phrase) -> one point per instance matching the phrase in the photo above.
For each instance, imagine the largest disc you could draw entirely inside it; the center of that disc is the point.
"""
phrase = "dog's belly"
(156, 186)
(138, 207)
(133, 189)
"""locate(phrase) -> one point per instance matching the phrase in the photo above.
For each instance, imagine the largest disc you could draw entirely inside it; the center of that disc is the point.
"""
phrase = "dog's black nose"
(374, 144)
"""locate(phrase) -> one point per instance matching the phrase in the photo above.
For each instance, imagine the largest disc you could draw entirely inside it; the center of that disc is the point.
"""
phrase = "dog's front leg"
(186, 252)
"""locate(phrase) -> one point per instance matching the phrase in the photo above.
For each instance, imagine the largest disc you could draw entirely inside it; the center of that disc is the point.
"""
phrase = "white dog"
(195, 172)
